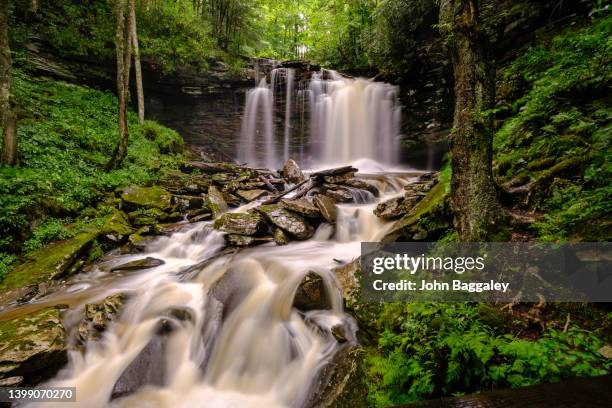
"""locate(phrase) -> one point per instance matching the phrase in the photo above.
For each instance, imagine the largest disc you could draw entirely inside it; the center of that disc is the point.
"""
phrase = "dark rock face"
(240, 223)
(288, 221)
(311, 294)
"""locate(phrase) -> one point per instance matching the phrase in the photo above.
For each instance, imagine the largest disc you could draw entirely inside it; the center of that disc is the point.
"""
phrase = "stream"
(218, 329)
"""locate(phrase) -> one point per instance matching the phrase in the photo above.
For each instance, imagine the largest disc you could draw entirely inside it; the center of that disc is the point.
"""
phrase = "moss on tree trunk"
(477, 211)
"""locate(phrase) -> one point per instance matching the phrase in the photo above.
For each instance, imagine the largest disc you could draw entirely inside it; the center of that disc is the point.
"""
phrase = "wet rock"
(250, 195)
(32, 345)
(136, 197)
(291, 172)
(311, 294)
(339, 194)
(137, 242)
(340, 178)
(144, 263)
(149, 217)
(339, 333)
(327, 206)
(186, 203)
(194, 213)
(289, 221)
(50, 262)
(357, 183)
(346, 275)
(391, 208)
(240, 223)
(215, 201)
(99, 315)
(341, 383)
(302, 207)
(11, 381)
(280, 237)
(238, 240)
(223, 178)
(204, 216)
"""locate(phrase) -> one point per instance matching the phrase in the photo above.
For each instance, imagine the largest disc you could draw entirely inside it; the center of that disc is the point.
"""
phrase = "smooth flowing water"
(347, 119)
(215, 330)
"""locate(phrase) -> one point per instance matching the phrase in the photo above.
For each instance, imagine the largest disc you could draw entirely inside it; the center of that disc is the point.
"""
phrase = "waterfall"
(347, 119)
(258, 128)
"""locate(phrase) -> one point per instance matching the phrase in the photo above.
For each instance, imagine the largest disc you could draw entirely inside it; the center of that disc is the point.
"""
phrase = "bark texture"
(124, 53)
(137, 67)
(478, 214)
(9, 121)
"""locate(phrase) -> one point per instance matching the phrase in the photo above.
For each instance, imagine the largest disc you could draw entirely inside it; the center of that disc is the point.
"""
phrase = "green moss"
(156, 197)
(49, 262)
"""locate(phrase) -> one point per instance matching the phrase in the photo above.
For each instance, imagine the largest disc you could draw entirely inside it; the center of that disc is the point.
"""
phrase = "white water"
(243, 345)
(349, 119)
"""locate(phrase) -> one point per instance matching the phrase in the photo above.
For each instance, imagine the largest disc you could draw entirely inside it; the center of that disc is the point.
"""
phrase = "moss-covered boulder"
(117, 227)
(288, 221)
(33, 345)
(240, 223)
(431, 216)
(216, 202)
(50, 262)
(136, 197)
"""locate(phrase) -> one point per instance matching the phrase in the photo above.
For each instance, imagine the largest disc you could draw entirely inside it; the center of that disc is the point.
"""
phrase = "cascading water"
(348, 119)
(214, 330)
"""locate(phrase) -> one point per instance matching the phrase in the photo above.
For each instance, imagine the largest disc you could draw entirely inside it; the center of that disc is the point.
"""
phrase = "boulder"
(311, 294)
(150, 216)
(289, 221)
(32, 345)
(357, 183)
(238, 240)
(327, 206)
(98, 316)
(117, 227)
(144, 263)
(215, 201)
(302, 207)
(291, 172)
(250, 195)
(280, 237)
(136, 197)
(240, 223)
(391, 208)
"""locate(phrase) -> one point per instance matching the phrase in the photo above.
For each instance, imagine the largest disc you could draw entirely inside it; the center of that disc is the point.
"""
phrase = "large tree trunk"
(123, 51)
(137, 67)
(478, 214)
(9, 147)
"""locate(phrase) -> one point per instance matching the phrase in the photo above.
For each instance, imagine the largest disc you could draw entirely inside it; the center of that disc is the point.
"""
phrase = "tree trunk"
(9, 147)
(123, 51)
(137, 67)
(478, 214)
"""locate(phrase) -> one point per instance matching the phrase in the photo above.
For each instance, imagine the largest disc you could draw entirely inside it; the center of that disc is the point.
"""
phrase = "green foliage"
(432, 350)
(561, 111)
(46, 232)
(7, 262)
(67, 134)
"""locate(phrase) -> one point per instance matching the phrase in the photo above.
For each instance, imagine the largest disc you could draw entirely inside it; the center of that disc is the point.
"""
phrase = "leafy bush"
(432, 350)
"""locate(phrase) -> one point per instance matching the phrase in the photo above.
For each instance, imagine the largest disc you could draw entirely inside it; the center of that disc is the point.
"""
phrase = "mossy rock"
(117, 224)
(50, 262)
(137, 197)
(240, 223)
(428, 216)
(290, 222)
(32, 344)
(216, 202)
